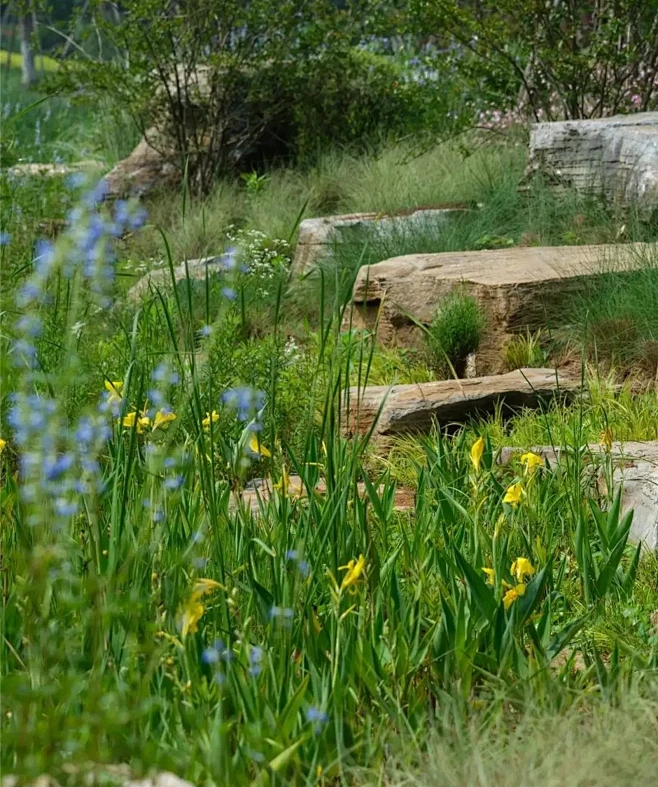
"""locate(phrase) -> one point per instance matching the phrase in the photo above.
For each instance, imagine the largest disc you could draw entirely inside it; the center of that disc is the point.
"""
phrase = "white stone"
(615, 157)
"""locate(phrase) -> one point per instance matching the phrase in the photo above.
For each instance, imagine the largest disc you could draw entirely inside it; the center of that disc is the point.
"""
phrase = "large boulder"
(516, 288)
(407, 409)
(616, 157)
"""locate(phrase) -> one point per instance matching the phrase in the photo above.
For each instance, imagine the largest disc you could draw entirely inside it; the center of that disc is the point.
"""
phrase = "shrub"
(229, 88)
(455, 332)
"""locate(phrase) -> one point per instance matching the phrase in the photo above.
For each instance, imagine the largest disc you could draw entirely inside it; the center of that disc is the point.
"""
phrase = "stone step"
(408, 409)
(516, 288)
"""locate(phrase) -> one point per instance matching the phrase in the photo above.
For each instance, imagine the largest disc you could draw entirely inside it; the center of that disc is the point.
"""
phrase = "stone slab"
(516, 288)
(317, 236)
(260, 491)
(408, 409)
(161, 278)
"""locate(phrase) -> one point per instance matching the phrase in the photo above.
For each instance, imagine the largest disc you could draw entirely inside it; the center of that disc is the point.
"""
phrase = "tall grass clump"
(455, 332)
(154, 616)
(615, 314)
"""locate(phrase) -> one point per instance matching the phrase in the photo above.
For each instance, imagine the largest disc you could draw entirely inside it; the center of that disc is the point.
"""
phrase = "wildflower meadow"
(203, 571)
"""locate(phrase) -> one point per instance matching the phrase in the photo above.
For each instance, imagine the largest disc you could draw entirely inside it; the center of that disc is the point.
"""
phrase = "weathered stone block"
(516, 288)
(408, 409)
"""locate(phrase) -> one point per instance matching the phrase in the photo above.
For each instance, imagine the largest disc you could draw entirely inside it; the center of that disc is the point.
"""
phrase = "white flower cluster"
(262, 257)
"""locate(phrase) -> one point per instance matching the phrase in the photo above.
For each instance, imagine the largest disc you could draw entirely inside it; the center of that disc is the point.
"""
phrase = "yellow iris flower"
(354, 571)
(531, 461)
(138, 422)
(514, 494)
(210, 418)
(115, 390)
(3, 443)
(522, 568)
(512, 595)
(193, 610)
(476, 453)
(491, 576)
(256, 447)
(162, 419)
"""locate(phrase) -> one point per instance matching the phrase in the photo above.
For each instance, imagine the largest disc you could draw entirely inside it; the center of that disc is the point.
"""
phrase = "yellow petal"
(204, 585)
(256, 447)
(354, 571)
(509, 598)
(115, 389)
(522, 568)
(210, 418)
(514, 494)
(531, 461)
(191, 615)
(129, 420)
(476, 453)
(162, 419)
(3, 443)
(491, 575)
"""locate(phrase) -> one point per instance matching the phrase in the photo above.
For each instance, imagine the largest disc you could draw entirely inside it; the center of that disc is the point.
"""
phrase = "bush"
(220, 94)
(455, 332)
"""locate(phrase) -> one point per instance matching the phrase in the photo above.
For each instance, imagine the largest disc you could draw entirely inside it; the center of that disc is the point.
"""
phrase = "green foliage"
(455, 332)
(616, 316)
(561, 60)
(525, 351)
(259, 83)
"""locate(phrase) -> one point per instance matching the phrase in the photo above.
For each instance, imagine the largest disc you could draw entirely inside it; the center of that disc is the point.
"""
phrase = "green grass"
(611, 746)
(42, 127)
(14, 60)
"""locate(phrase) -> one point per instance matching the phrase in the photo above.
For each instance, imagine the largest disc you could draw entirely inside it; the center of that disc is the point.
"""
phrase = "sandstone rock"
(406, 409)
(151, 165)
(260, 490)
(317, 236)
(614, 157)
(635, 470)
(161, 278)
(516, 288)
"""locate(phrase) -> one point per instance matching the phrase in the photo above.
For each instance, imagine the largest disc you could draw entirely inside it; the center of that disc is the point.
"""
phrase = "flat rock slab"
(516, 288)
(635, 470)
(615, 157)
(260, 491)
(53, 170)
(317, 236)
(161, 278)
(408, 409)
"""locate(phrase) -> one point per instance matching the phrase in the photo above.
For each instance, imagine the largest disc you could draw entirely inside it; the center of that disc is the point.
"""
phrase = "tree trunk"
(27, 47)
